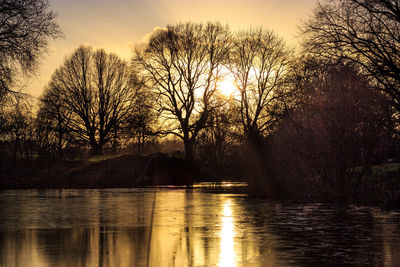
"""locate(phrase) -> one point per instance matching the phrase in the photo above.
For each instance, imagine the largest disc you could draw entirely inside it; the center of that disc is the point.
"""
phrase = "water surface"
(188, 227)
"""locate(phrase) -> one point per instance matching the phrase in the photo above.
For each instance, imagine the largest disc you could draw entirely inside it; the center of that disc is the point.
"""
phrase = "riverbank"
(94, 172)
(381, 187)
(122, 171)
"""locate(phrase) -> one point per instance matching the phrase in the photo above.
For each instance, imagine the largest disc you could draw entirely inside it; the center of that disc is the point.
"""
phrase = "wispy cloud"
(146, 38)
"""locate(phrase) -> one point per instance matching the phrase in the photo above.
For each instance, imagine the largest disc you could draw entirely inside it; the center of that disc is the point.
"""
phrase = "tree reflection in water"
(189, 228)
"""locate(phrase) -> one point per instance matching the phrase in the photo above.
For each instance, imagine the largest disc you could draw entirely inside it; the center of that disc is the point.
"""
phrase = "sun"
(227, 86)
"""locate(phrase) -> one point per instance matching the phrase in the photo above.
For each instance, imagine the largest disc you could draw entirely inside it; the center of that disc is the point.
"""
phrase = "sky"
(119, 25)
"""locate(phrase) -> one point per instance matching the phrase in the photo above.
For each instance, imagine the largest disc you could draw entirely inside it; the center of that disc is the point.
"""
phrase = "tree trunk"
(188, 150)
(59, 143)
(97, 149)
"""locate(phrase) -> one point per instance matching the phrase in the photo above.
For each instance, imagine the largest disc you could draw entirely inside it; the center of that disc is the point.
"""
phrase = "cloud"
(146, 38)
(87, 44)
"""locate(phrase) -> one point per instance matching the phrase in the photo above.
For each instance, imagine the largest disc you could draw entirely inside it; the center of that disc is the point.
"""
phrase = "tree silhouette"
(19, 128)
(52, 120)
(259, 61)
(98, 90)
(25, 27)
(140, 124)
(217, 143)
(182, 64)
(363, 31)
(335, 133)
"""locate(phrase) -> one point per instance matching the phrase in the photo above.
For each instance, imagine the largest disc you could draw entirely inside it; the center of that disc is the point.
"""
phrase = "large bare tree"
(98, 89)
(366, 32)
(25, 27)
(183, 64)
(259, 62)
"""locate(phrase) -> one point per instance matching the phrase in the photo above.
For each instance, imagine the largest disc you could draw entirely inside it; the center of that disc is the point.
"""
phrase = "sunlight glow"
(227, 86)
(227, 252)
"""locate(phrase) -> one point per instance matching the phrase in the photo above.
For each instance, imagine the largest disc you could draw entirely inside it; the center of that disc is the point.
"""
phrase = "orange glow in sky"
(119, 25)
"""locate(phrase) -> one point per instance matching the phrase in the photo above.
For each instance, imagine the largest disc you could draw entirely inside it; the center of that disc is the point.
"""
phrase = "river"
(188, 227)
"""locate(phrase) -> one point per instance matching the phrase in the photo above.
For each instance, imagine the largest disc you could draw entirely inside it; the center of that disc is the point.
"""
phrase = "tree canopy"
(25, 28)
(366, 32)
(183, 64)
(96, 89)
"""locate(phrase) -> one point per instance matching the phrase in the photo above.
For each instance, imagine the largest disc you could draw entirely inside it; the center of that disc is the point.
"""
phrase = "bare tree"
(218, 142)
(183, 64)
(25, 27)
(53, 134)
(97, 89)
(140, 124)
(259, 61)
(19, 128)
(366, 32)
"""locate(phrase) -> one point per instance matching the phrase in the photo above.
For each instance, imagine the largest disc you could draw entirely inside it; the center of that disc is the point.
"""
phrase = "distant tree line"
(316, 118)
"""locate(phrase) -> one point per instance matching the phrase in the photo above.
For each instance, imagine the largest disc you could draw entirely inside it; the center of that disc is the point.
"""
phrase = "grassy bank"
(98, 172)
(379, 187)
(93, 172)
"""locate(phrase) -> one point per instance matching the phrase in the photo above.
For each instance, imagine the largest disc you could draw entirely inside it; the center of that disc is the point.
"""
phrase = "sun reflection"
(227, 252)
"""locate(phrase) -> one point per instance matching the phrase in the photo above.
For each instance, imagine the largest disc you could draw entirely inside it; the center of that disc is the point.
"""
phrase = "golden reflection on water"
(174, 228)
(227, 250)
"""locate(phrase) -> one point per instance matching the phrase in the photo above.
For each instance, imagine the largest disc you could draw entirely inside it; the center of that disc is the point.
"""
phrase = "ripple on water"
(181, 227)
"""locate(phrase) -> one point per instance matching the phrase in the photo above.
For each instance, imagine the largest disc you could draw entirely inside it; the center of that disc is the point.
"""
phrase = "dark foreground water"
(178, 227)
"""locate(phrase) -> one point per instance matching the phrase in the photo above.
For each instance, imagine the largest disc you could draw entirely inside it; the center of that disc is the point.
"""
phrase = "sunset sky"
(119, 25)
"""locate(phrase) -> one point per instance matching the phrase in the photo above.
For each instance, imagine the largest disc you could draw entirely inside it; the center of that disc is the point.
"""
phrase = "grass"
(98, 158)
(385, 168)
(382, 169)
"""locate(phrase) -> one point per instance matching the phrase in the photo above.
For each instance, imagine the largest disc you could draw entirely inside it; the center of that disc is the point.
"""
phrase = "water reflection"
(164, 227)
(227, 255)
